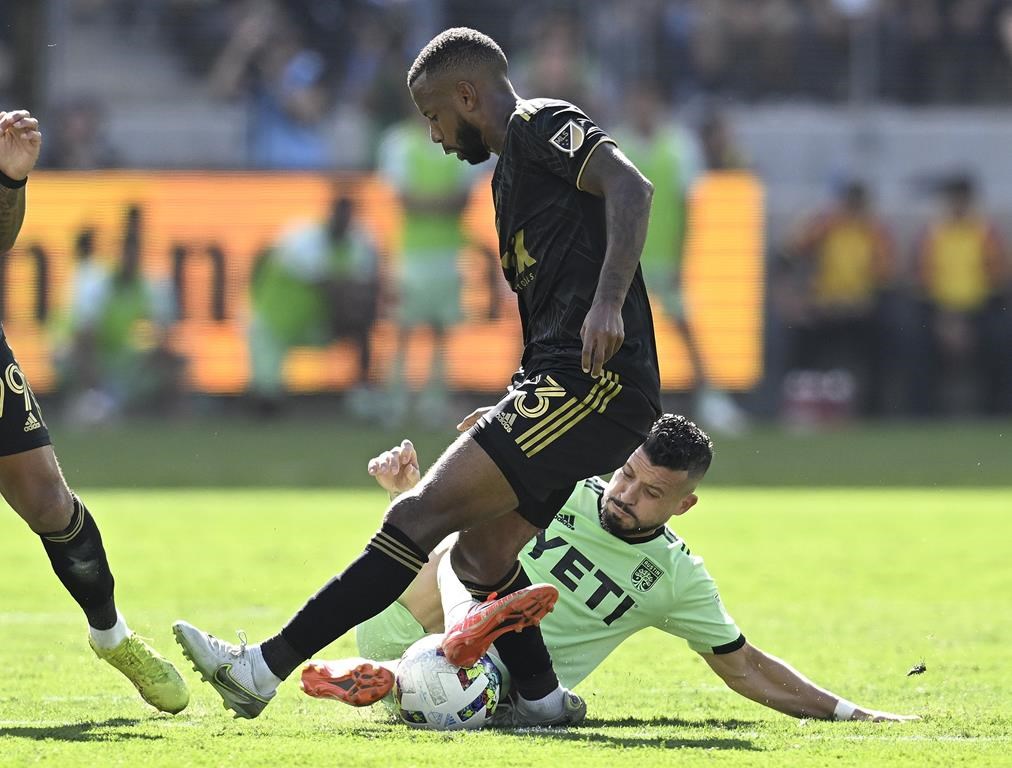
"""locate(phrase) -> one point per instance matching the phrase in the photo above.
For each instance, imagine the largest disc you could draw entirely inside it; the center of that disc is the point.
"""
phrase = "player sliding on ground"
(618, 569)
(571, 212)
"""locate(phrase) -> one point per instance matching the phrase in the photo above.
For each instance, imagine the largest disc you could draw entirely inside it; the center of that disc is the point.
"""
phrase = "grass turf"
(324, 451)
(851, 586)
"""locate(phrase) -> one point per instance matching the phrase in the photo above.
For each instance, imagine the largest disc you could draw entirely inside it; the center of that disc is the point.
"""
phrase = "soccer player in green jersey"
(618, 569)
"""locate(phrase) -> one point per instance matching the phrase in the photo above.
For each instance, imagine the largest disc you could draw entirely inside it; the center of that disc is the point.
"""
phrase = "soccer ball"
(432, 693)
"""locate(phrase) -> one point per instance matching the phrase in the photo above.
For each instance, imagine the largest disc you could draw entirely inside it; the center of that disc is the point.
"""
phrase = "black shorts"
(558, 428)
(22, 427)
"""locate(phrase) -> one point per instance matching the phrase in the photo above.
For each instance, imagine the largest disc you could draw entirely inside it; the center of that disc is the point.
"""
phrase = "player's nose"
(435, 134)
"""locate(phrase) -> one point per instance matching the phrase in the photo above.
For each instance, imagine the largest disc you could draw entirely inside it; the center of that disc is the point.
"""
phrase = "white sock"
(107, 639)
(546, 706)
(456, 600)
(265, 680)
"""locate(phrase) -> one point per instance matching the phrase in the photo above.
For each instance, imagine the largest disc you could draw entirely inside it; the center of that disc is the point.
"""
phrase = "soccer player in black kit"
(571, 213)
(31, 480)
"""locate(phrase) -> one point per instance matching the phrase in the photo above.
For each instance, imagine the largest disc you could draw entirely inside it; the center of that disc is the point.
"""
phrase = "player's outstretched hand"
(20, 143)
(472, 418)
(603, 332)
(396, 470)
(875, 716)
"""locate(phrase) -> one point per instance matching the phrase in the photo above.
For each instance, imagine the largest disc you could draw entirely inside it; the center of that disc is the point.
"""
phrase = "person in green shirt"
(672, 159)
(432, 194)
(618, 569)
(318, 283)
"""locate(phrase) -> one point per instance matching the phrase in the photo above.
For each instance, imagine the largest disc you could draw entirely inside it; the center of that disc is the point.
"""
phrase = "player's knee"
(423, 524)
(46, 506)
(480, 565)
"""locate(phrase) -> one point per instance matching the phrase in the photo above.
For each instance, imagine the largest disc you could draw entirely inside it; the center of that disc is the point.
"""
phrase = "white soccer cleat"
(513, 714)
(227, 667)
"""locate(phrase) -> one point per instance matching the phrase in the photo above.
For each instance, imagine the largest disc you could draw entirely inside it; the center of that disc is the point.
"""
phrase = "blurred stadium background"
(845, 168)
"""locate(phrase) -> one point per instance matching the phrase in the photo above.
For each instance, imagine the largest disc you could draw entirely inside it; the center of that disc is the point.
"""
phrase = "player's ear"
(466, 95)
(687, 503)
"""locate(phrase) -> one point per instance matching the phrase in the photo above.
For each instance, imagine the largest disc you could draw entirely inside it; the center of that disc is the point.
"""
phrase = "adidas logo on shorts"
(506, 419)
(32, 423)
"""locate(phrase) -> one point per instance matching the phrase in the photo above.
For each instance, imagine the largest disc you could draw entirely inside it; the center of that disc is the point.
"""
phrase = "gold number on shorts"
(542, 397)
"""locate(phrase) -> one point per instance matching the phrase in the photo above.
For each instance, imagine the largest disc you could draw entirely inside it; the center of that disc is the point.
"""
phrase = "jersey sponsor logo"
(506, 419)
(574, 569)
(32, 423)
(567, 520)
(646, 575)
(569, 138)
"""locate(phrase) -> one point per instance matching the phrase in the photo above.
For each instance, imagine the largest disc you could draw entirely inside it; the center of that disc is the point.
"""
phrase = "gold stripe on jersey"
(606, 387)
(593, 149)
(526, 109)
(547, 420)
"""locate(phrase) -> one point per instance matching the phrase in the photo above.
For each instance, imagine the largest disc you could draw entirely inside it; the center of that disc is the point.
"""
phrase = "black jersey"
(552, 243)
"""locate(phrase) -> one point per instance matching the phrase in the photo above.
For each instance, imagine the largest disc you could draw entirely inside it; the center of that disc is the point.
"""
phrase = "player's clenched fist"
(20, 143)
(396, 470)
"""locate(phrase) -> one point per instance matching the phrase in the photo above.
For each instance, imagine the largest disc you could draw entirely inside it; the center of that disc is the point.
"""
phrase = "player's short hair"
(458, 47)
(677, 443)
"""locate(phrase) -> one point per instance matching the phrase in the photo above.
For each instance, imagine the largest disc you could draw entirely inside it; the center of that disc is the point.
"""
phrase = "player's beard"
(469, 144)
(612, 523)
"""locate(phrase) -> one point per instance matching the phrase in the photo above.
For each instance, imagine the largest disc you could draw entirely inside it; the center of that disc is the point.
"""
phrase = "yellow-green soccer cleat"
(154, 677)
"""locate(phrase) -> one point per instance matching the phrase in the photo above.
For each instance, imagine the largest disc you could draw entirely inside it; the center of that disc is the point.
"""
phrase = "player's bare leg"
(462, 489)
(33, 485)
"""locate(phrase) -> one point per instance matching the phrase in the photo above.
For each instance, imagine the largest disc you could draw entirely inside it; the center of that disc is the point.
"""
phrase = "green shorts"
(387, 635)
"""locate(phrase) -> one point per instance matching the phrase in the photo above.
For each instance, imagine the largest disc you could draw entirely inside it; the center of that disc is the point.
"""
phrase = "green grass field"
(851, 586)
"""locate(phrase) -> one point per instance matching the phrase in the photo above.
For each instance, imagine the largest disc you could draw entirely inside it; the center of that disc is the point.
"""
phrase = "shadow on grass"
(725, 724)
(86, 731)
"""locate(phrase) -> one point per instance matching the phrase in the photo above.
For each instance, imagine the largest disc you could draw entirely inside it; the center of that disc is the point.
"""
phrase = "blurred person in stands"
(670, 158)
(963, 281)
(80, 142)
(320, 282)
(845, 270)
(284, 83)
(120, 327)
(32, 483)
(432, 194)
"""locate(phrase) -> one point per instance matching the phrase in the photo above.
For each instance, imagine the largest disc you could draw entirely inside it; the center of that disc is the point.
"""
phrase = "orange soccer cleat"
(469, 639)
(357, 682)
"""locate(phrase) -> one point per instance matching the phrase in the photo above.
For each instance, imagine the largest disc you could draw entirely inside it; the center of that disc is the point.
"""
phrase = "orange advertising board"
(239, 214)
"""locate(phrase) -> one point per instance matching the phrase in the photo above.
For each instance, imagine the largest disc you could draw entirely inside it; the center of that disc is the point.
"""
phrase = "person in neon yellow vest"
(671, 158)
(432, 194)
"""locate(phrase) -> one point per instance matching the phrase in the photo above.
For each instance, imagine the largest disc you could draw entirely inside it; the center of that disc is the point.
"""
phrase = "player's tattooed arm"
(12, 213)
(20, 144)
(627, 195)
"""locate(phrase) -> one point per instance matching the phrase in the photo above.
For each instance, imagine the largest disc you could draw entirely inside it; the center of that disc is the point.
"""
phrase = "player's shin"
(524, 653)
(379, 576)
(79, 561)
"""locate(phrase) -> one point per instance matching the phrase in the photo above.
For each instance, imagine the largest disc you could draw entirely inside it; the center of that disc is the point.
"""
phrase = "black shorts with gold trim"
(22, 427)
(558, 428)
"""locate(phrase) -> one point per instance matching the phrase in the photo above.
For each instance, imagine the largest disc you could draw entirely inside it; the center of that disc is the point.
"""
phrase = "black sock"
(378, 577)
(524, 653)
(78, 558)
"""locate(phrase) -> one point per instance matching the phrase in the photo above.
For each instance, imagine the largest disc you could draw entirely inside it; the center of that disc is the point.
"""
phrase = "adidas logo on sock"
(506, 419)
(32, 423)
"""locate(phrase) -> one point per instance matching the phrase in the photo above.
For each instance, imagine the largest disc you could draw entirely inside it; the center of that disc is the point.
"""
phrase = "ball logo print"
(432, 693)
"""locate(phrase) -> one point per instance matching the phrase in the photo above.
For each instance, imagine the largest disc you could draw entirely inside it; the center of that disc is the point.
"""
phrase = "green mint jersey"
(610, 588)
